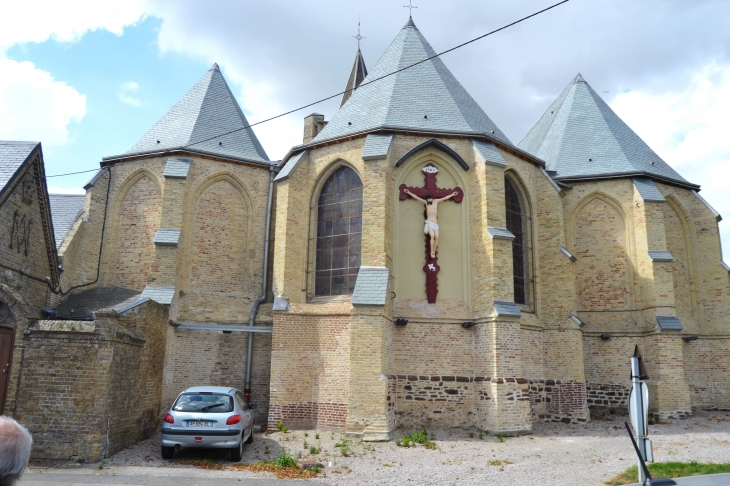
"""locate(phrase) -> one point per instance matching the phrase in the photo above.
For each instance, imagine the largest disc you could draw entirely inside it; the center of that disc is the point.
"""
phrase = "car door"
(246, 413)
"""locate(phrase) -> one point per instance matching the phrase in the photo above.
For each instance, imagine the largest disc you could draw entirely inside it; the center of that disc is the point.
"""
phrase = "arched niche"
(453, 296)
(679, 245)
(601, 243)
(218, 240)
(137, 209)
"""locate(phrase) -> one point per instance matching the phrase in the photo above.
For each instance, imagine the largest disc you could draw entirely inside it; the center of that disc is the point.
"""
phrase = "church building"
(407, 265)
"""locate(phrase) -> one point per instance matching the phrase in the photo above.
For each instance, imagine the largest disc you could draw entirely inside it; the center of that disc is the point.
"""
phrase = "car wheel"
(250, 437)
(167, 452)
(237, 452)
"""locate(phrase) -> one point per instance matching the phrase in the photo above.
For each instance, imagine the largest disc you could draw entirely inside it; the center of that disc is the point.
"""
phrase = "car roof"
(212, 389)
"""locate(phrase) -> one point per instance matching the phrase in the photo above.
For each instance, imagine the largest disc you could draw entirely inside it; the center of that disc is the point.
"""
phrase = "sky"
(89, 78)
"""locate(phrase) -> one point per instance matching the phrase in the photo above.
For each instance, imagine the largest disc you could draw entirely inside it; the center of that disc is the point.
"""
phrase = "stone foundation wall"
(558, 400)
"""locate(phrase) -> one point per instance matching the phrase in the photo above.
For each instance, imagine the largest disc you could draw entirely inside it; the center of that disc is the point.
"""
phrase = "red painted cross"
(429, 188)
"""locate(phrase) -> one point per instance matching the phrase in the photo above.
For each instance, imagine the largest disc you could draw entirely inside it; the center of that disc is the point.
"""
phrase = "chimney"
(313, 124)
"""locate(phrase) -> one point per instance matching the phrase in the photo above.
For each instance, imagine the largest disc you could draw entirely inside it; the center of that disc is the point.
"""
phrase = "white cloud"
(34, 106)
(65, 21)
(689, 129)
(125, 94)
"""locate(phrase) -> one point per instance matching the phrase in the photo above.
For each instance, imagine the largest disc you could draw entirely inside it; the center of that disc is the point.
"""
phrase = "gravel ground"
(554, 454)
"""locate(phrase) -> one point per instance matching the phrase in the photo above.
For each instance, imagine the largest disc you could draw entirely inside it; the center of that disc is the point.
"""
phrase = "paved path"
(145, 476)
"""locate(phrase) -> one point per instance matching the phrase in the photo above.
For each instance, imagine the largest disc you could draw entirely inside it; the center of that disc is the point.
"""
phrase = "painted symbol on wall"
(430, 195)
(20, 232)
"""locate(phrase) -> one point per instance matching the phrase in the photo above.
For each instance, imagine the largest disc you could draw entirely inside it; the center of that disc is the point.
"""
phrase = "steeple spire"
(359, 71)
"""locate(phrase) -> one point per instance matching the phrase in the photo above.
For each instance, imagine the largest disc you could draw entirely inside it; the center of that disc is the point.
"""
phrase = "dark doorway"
(7, 339)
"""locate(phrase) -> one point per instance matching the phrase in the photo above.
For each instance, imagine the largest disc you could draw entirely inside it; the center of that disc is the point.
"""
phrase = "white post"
(639, 407)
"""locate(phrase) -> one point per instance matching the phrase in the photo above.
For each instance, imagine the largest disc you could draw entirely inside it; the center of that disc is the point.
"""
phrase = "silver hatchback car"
(212, 417)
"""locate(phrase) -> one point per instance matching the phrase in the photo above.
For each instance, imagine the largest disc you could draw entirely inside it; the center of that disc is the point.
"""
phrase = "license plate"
(200, 423)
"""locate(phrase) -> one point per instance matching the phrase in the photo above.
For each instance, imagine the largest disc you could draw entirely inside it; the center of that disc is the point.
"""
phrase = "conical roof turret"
(581, 137)
(202, 121)
(359, 72)
(424, 98)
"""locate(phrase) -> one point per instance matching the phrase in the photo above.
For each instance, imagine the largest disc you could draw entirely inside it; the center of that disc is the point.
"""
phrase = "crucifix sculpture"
(430, 195)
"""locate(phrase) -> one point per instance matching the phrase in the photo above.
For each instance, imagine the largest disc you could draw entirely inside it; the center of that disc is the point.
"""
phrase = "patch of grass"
(305, 445)
(101, 465)
(280, 426)
(670, 470)
(316, 436)
(500, 437)
(314, 450)
(344, 446)
(411, 440)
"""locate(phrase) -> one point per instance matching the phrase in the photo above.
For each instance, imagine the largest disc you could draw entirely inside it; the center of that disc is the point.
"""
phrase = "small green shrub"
(316, 436)
(411, 440)
(314, 450)
(344, 446)
(500, 437)
(283, 460)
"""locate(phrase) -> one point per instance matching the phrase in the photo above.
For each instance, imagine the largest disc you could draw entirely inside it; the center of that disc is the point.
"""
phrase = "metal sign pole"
(638, 417)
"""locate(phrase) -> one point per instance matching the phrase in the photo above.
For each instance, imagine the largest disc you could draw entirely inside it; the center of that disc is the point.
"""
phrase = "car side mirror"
(252, 406)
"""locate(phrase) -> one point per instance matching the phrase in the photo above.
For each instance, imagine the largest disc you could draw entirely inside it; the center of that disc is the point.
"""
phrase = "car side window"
(241, 401)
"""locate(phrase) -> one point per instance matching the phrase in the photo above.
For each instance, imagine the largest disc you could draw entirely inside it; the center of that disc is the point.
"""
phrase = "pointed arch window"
(339, 233)
(518, 223)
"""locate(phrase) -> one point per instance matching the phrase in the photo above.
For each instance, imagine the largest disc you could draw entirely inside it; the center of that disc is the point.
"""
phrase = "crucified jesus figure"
(431, 227)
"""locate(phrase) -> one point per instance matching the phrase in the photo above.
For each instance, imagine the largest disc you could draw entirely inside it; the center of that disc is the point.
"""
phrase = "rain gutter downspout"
(254, 310)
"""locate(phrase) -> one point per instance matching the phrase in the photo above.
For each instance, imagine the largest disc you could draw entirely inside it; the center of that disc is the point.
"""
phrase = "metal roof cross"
(358, 36)
(410, 6)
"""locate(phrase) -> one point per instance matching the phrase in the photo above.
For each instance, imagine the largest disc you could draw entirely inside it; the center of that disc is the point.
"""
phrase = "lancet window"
(518, 223)
(339, 233)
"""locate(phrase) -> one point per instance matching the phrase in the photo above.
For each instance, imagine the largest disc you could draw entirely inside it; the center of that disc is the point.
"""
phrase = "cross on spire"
(410, 8)
(358, 36)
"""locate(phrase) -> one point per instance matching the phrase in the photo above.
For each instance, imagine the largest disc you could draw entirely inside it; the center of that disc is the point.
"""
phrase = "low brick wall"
(87, 389)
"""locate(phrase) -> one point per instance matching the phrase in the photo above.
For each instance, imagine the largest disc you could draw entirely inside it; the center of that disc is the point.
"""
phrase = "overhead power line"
(352, 89)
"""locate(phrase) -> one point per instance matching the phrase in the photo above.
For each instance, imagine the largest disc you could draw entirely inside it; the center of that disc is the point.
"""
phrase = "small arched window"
(339, 231)
(518, 223)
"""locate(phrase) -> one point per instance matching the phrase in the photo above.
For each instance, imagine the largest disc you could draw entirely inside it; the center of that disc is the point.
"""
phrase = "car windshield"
(203, 402)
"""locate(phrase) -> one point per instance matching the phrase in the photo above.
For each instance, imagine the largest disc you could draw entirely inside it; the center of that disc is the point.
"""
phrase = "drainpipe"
(260, 300)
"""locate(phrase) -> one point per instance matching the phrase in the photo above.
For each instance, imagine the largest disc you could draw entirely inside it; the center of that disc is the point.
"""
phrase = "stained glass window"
(517, 223)
(339, 233)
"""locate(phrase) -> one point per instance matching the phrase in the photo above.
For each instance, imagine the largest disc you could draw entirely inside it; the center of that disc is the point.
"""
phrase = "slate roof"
(648, 191)
(81, 306)
(405, 99)
(65, 210)
(291, 166)
(12, 156)
(207, 110)
(488, 153)
(580, 137)
(669, 323)
(359, 72)
(371, 287)
(177, 168)
(167, 237)
(161, 295)
(500, 233)
(660, 256)
(376, 146)
(510, 309)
